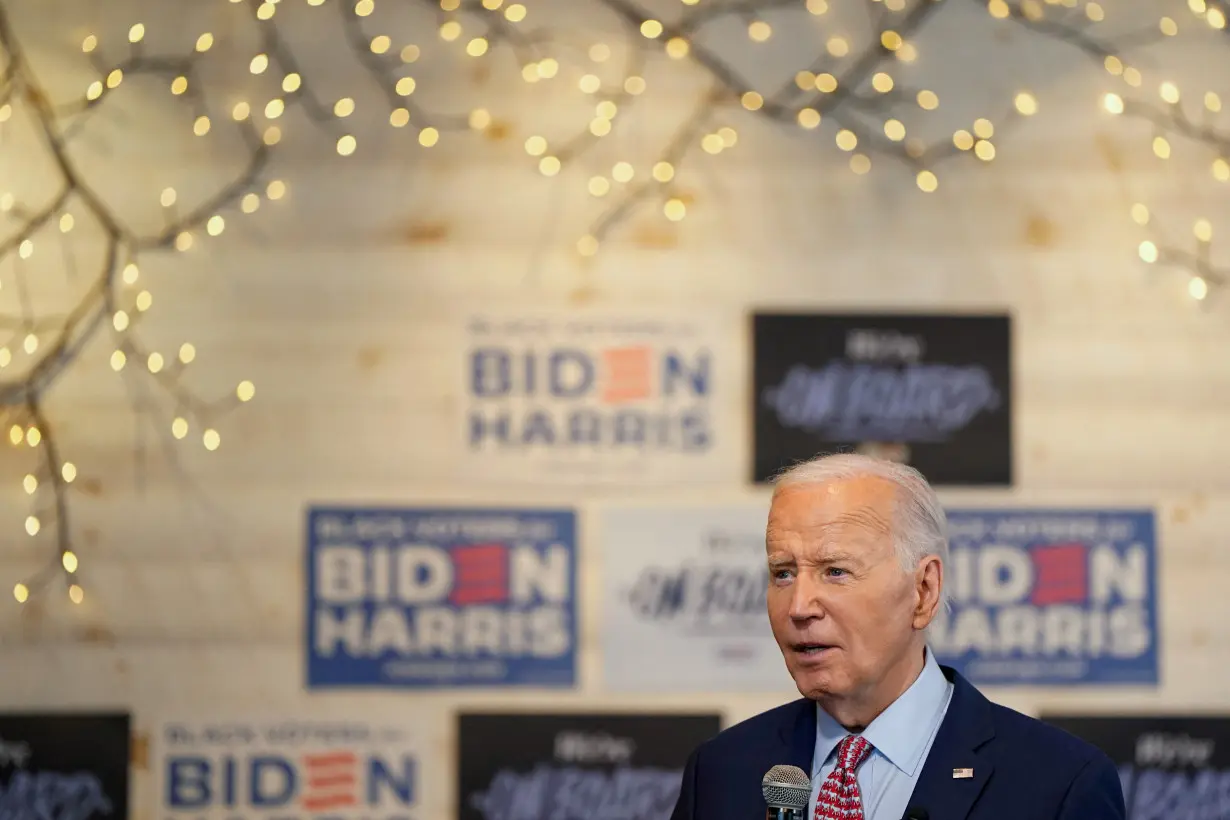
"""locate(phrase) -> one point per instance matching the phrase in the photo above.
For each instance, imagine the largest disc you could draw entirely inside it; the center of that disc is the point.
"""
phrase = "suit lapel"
(800, 736)
(957, 768)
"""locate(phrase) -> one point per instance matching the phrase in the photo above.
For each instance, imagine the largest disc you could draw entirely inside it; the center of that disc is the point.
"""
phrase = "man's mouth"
(810, 648)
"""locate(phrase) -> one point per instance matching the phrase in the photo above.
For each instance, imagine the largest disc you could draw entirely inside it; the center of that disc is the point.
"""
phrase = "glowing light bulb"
(32, 525)
(118, 360)
(68, 472)
(29, 484)
(1026, 104)
(674, 209)
(1197, 288)
(211, 439)
(343, 107)
(927, 181)
(651, 29)
(186, 353)
(245, 391)
(1148, 251)
(1113, 103)
(33, 436)
(21, 593)
(479, 119)
(76, 594)
(69, 560)
(346, 145)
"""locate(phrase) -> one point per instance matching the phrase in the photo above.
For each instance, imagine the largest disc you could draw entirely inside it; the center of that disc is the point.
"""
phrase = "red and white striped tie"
(840, 798)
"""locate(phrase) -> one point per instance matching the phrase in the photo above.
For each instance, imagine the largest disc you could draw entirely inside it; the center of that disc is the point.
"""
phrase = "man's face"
(842, 610)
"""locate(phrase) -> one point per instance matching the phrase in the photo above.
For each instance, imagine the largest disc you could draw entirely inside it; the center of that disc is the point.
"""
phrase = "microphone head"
(786, 786)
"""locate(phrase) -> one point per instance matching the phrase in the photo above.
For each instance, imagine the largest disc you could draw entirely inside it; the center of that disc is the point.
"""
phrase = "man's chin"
(816, 684)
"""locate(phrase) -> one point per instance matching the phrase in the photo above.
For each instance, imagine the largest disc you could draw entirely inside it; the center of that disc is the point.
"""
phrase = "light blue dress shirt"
(902, 736)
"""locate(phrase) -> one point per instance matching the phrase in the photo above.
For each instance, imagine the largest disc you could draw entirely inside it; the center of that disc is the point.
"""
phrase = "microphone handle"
(785, 813)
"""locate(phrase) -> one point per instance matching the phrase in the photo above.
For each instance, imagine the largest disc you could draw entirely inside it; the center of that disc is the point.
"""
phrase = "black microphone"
(787, 792)
(916, 813)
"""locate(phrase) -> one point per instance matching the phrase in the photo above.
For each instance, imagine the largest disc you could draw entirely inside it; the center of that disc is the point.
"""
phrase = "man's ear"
(928, 583)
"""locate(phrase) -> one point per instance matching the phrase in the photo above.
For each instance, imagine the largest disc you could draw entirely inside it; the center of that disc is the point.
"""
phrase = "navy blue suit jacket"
(1024, 769)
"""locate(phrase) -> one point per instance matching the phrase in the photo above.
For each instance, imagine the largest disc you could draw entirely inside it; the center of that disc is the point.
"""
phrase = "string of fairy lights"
(1172, 120)
(849, 89)
(45, 226)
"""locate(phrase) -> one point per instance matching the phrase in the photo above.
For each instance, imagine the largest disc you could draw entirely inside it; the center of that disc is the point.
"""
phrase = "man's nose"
(805, 599)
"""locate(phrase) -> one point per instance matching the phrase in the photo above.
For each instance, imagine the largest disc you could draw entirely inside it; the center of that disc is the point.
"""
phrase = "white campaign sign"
(590, 397)
(254, 767)
(684, 600)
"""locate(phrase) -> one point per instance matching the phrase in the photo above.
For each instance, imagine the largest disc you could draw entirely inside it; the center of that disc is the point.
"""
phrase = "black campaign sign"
(572, 767)
(931, 391)
(64, 766)
(1170, 767)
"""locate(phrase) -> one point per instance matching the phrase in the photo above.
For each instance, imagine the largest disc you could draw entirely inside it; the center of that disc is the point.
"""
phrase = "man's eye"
(836, 572)
(781, 574)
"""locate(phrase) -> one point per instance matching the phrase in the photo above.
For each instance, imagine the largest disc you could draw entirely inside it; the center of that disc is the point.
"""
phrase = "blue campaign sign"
(441, 597)
(1051, 597)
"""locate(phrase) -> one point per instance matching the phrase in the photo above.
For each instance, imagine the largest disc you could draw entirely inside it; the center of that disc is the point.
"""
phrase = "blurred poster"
(287, 768)
(552, 766)
(684, 600)
(64, 765)
(1051, 597)
(441, 597)
(589, 397)
(1170, 767)
(932, 391)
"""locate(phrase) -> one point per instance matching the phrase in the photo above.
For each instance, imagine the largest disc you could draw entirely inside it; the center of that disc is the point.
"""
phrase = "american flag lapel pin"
(961, 774)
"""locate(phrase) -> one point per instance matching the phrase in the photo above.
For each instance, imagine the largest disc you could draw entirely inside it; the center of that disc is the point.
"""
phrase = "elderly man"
(856, 550)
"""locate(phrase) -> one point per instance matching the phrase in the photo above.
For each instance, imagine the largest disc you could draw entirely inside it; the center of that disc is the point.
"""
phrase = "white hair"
(920, 527)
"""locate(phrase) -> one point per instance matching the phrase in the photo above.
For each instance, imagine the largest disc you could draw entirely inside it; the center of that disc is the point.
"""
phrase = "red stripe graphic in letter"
(480, 574)
(330, 781)
(1060, 574)
(628, 374)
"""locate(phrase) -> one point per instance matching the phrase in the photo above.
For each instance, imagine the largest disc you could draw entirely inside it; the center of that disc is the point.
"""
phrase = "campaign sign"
(555, 766)
(684, 604)
(64, 766)
(1057, 597)
(287, 769)
(561, 397)
(932, 391)
(1170, 767)
(441, 597)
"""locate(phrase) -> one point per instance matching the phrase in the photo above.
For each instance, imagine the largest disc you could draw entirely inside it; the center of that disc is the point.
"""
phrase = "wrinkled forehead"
(859, 509)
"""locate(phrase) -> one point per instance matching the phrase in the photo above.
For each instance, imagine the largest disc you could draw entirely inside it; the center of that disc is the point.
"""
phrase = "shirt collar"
(898, 732)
